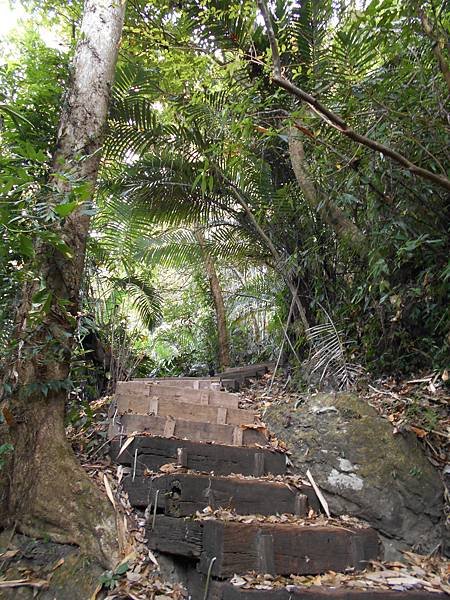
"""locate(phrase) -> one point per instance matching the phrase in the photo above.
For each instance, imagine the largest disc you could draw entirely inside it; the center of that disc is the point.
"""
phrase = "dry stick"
(334, 119)
(290, 343)
(282, 343)
(208, 578)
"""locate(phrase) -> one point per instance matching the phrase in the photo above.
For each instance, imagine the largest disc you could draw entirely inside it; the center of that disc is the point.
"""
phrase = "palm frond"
(328, 359)
(143, 297)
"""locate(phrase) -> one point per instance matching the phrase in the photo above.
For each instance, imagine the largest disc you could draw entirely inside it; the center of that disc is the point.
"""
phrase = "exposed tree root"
(50, 496)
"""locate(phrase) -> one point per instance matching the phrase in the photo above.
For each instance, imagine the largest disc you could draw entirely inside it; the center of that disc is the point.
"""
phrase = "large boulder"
(363, 468)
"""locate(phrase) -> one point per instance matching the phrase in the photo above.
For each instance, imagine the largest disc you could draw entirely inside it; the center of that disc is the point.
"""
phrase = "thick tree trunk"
(330, 214)
(49, 493)
(216, 292)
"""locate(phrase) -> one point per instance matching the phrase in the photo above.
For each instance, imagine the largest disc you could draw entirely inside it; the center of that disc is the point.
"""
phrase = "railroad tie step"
(150, 453)
(184, 494)
(133, 390)
(198, 431)
(226, 382)
(182, 408)
(224, 590)
(250, 370)
(225, 548)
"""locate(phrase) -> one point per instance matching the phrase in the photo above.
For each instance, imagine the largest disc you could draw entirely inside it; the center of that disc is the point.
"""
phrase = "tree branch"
(438, 46)
(334, 120)
(331, 214)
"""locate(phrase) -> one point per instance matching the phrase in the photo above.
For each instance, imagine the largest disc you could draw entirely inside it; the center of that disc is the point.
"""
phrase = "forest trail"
(219, 501)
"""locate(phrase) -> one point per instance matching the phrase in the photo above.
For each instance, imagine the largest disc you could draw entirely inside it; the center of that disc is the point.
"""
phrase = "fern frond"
(328, 358)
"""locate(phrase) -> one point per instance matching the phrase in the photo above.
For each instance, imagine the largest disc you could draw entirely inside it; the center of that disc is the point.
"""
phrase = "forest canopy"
(230, 214)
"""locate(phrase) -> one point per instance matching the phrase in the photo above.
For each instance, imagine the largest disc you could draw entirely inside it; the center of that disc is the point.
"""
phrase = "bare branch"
(333, 119)
(262, 5)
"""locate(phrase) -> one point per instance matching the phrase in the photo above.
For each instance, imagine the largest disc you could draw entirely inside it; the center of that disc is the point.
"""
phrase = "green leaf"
(25, 246)
(121, 569)
(40, 296)
(57, 242)
(63, 210)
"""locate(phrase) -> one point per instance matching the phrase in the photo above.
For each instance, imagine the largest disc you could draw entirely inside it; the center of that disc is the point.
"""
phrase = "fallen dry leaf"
(108, 490)
(421, 433)
(14, 583)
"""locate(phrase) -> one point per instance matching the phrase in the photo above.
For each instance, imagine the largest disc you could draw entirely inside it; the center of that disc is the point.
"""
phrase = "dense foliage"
(201, 139)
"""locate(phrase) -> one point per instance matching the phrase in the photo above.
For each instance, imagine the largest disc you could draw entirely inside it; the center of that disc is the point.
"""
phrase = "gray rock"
(71, 575)
(363, 468)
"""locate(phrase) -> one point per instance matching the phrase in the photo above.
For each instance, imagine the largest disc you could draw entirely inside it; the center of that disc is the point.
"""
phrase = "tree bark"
(439, 45)
(216, 292)
(330, 214)
(49, 494)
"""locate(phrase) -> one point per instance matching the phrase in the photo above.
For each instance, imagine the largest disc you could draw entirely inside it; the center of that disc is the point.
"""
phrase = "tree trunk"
(216, 292)
(330, 214)
(49, 494)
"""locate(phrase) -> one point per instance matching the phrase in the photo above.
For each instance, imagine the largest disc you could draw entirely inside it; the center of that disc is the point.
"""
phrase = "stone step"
(183, 494)
(208, 397)
(197, 431)
(275, 548)
(223, 590)
(150, 453)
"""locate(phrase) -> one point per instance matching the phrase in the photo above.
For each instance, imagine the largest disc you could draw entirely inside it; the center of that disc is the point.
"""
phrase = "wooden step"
(278, 549)
(197, 431)
(207, 397)
(153, 452)
(183, 494)
(223, 590)
(196, 383)
(177, 408)
(250, 370)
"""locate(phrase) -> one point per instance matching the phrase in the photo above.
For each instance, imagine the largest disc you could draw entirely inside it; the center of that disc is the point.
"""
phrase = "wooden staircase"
(218, 497)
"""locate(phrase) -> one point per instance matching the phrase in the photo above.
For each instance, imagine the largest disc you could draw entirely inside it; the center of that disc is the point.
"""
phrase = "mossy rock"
(363, 467)
(71, 575)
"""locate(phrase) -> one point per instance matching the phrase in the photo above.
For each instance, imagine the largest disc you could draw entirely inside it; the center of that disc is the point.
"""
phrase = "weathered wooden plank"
(182, 537)
(294, 549)
(227, 382)
(259, 367)
(182, 494)
(282, 549)
(196, 383)
(249, 370)
(179, 409)
(153, 452)
(223, 590)
(197, 431)
(230, 592)
(210, 397)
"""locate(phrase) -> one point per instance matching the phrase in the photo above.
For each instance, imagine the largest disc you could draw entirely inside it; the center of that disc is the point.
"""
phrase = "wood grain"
(281, 549)
(183, 494)
(153, 452)
(196, 431)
